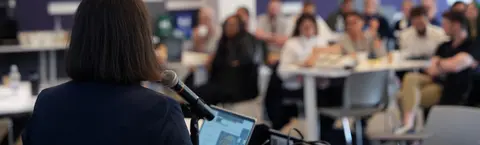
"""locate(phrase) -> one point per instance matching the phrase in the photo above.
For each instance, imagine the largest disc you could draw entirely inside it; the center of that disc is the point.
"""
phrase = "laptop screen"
(226, 129)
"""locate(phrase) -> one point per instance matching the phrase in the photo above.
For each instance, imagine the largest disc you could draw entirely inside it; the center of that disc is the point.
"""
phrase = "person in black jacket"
(233, 71)
(371, 14)
(110, 53)
(403, 23)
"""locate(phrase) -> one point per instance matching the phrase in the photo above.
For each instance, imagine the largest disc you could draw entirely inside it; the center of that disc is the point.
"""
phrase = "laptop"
(227, 128)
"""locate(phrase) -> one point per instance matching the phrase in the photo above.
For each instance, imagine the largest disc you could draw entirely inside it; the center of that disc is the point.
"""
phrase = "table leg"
(53, 67)
(311, 113)
(10, 132)
(42, 67)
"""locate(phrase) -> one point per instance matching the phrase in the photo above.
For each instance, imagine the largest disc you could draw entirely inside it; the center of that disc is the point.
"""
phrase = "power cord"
(301, 137)
(289, 134)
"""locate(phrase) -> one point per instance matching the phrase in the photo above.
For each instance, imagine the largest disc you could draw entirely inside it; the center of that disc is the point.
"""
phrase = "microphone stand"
(194, 130)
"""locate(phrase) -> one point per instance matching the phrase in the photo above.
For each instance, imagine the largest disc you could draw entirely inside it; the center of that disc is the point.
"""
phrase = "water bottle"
(14, 79)
(340, 25)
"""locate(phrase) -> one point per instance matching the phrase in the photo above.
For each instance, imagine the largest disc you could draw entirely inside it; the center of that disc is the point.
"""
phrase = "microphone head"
(169, 78)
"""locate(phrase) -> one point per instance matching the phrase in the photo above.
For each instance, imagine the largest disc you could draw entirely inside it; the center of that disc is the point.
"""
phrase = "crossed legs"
(419, 90)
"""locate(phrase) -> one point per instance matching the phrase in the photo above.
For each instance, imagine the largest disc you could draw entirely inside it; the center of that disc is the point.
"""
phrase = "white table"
(15, 103)
(52, 61)
(22, 102)
(310, 94)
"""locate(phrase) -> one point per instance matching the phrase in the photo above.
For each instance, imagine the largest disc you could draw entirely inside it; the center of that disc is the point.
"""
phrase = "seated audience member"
(431, 8)
(205, 32)
(371, 14)
(336, 20)
(271, 28)
(303, 49)
(261, 47)
(233, 71)
(422, 38)
(405, 21)
(309, 8)
(161, 52)
(447, 80)
(357, 40)
(244, 13)
(472, 14)
(459, 6)
(205, 36)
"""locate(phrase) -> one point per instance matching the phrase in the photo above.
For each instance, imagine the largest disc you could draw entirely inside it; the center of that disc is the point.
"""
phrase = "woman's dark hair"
(419, 11)
(458, 3)
(243, 8)
(456, 17)
(111, 41)
(346, 1)
(308, 3)
(356, 14)
(300, 20)
(238, 41)
(241, 31)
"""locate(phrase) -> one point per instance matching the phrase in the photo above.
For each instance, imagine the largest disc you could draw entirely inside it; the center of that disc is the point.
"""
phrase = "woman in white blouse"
(303, 49)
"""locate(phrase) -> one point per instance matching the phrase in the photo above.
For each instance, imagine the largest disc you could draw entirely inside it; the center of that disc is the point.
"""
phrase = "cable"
(299, 133)
(289, 135)
(301, 137)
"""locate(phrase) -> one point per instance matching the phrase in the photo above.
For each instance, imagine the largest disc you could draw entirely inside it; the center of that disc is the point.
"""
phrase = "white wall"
(225, 8)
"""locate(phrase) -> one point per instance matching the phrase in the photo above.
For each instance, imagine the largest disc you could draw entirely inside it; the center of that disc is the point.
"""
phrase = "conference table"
(13, 103)
(309, 75)
(43, 58)
(16, 103)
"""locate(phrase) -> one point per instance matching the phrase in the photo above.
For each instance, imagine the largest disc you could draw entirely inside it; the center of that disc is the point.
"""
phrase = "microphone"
(170, 79)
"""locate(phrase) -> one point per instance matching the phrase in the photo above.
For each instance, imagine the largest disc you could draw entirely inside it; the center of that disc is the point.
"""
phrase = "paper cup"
(396, 57)
(362, 57)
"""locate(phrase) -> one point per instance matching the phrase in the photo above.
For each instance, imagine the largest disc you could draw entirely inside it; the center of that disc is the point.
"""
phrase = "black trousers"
(280, 114)
(213, 93)
(19, 123)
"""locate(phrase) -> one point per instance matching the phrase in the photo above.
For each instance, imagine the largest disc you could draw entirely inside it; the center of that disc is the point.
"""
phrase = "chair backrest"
(453, 125)
(366, 89)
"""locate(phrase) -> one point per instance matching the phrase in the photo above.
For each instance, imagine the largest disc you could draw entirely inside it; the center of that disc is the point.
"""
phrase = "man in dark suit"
(371, 14)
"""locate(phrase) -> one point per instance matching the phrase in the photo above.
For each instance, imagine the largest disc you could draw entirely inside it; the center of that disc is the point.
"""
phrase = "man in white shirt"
(422, 38)
(271, 28)
(323, 30)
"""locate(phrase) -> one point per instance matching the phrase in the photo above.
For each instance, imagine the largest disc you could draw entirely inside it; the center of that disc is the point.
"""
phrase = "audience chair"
(364, 94)
(453, 125)
(446, 125)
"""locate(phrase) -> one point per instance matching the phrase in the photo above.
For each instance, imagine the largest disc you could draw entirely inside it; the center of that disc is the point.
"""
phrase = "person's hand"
(235, 63)
(377, 43)
(210, 59)
(433, 69)
(374, 26)
(260, 34)
(475, 65)
(312, 60)
(280, 40)
(317, 51)
(273, 58)
(161, 54)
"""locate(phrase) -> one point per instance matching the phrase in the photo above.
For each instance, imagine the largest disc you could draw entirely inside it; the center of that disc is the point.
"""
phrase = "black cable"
(288, 137)
(302, 141)
(299, 133)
